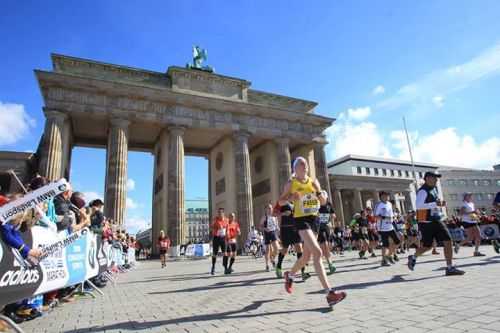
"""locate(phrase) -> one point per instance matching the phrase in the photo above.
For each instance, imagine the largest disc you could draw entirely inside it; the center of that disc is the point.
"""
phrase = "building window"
(453, 196)
(498, 182)
(400, 173)
(486, 182)
(367, 169)
(462, 182)
(384, 172)
(490, 196)
(392, 172)
(358, 169)
(450, 182)
(376, 171)
(479, 196)
(407, 173)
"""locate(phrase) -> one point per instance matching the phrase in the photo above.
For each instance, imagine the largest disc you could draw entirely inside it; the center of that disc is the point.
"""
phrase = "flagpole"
(411, 153)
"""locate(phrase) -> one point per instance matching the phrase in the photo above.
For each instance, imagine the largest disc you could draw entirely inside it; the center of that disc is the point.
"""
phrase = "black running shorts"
(219, 243)
(467, 225)
(269, 237)
(385, 235)
(289, 236)
(306, 222)
(323, 233)
(231, 248)
(433, 231)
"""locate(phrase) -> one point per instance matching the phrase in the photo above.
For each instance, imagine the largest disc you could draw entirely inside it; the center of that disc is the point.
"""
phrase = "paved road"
(184, 298)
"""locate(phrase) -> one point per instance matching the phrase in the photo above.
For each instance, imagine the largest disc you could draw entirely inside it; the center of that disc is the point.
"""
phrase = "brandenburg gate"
(248, 136)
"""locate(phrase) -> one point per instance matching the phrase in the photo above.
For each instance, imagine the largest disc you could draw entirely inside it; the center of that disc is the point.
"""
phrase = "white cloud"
(92, 195)
(445, 81)
(348, 137)
(447, 147)
(14, 123)
(131, 204)
(378, 90)
(438, 101)
(135, 224)
(359, 114)
(130, 184)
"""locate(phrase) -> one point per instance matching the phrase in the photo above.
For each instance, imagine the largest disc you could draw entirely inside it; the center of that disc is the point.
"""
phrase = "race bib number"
(221, 232)
(364, 230)
(324, 218)
(309, 204)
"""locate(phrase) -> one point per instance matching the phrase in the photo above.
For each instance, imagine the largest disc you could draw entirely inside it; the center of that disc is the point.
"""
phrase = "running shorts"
(306, 223)
(434, 231)
(385, 235)
(323, 233)
(231, 248)
(269, 237)
(289, 236)
(219, 243)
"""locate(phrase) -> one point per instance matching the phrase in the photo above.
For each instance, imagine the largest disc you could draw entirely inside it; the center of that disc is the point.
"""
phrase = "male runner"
(431, 225)
(326, 219)
(289, 236)
(232, 232)
(219, 236)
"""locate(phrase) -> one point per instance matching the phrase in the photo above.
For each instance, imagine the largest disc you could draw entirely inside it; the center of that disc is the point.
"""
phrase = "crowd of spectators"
(67, 212)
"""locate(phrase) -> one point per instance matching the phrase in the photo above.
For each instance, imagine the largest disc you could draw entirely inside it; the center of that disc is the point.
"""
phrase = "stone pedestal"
(51, 155)
(244, 203)
(176, 213)
(115, 197)
(284, 162)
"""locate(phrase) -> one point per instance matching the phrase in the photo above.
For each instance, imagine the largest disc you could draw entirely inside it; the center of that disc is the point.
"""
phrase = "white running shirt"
(384, 210)
(469, 208)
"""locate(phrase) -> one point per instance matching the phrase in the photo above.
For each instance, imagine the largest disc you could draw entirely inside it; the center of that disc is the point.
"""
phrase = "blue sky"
(366, 63)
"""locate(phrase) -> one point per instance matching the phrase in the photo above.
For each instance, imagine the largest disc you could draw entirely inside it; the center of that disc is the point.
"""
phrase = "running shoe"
(361, 254)
(279, 273)
(454, 271)
(226, 271)
(479, 254)
(267, 268)
(391, 260)
(435, 252)
(333, 298)
(384, 263)
(496, 246)
(332, 268)
(212, 272)
(273, 263)
(305, 276)
(456, 248)
(288, 282)
(412, 261)
(396, 258)
(373, 255)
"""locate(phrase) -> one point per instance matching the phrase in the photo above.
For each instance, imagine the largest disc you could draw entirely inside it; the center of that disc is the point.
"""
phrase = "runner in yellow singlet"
(307, 196)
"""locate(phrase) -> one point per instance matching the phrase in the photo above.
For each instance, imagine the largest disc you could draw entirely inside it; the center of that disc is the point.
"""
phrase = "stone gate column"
(358, 200)
(321, 167)
(339, 209)
(284, 162)
(244, 203)
(51, 155)
(115, 197)
(176, 211)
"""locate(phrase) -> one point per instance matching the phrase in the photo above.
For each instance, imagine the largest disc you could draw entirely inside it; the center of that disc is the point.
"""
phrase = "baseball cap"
(432, 174)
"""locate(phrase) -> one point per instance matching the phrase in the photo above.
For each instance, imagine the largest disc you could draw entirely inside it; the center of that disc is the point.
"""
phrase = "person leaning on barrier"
(82, 220)
(96, 216)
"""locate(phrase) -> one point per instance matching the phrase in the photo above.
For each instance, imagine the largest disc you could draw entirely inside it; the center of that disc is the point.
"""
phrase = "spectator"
(163, 245)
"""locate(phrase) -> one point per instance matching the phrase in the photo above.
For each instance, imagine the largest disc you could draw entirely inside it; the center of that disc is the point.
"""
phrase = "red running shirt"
(219, 227)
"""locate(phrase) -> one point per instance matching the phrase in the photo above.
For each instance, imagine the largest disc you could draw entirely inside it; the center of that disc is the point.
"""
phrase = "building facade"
(483, 184)
(197, 221)
(356, 181)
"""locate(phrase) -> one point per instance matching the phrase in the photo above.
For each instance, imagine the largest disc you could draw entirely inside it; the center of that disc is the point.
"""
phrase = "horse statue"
(199, 56)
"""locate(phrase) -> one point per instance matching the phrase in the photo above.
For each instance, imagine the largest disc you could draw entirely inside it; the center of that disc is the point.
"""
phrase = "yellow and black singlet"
(309, 204)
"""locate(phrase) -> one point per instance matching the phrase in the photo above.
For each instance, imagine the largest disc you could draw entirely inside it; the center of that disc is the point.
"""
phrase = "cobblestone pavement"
(184, 298)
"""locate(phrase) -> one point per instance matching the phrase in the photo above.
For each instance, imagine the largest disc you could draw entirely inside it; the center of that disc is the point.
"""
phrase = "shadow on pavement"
(235, 314)
(362, 285)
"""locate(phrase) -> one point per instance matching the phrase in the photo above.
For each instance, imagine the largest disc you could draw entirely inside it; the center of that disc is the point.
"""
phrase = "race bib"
(309, 204)
(324, 218)
(221, 232)
(364, 230)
